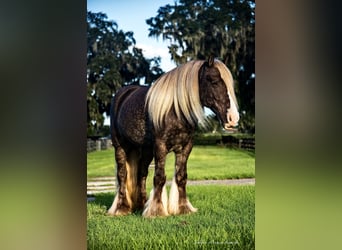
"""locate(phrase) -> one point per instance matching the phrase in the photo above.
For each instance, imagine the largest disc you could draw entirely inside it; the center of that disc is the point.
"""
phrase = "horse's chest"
(176, 138)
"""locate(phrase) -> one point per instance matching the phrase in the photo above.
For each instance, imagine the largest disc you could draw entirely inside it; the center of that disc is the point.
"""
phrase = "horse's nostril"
(230, 118)
(233, 117)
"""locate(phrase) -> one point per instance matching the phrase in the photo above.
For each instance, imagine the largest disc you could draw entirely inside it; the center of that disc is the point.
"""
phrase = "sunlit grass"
(205, 162)
(225, 220)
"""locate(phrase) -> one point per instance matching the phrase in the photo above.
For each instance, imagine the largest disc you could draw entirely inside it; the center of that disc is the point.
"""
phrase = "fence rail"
(247, 143)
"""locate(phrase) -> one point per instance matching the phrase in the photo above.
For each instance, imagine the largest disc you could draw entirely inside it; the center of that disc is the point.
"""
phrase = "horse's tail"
(132, 188)
(127, 156)
(132, 157)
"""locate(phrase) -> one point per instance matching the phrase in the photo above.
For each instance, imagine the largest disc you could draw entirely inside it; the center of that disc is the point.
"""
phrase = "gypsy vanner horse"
(150, 122)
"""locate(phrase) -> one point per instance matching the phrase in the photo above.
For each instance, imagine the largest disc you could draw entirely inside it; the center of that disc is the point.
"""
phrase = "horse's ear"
(211, 61)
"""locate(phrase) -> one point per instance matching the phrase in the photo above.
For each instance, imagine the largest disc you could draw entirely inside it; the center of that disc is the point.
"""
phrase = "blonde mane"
(179, 89)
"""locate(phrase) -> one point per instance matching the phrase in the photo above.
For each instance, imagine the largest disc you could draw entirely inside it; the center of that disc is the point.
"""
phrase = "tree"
(225, 29)
(112, 62)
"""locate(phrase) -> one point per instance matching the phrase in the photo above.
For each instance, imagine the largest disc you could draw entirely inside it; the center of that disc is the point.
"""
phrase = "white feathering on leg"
(190, 206)
(147, 207)
(164, 199)
(174, 198)
(112, 209)
(151, 205)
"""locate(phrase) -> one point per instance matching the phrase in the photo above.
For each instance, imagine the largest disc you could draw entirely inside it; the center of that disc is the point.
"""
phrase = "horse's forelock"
(228, 80)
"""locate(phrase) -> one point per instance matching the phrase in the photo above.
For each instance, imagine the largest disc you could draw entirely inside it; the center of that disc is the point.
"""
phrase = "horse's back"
(128, 117)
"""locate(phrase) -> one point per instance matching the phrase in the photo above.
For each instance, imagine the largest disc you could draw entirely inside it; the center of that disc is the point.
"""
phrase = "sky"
(130, 15)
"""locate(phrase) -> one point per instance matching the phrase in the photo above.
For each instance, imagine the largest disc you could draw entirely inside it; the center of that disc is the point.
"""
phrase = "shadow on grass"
(104, 199)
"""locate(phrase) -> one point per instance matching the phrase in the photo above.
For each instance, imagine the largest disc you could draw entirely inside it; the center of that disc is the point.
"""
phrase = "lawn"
(205, 162)
(225, 220)
(225, 217)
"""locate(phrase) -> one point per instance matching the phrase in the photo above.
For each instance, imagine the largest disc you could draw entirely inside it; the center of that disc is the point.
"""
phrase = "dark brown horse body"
(137, 140)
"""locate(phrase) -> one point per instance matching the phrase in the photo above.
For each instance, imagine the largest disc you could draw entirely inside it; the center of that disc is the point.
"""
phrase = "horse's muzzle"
(229, 127)
(233, 119)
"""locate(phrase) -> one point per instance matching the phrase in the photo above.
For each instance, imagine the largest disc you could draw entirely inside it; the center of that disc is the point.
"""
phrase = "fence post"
(240, 143)
(98, 145)
(108, 143)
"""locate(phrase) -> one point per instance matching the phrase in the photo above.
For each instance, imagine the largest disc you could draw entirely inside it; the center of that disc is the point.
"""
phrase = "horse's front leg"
(157, 202)
(178, 202)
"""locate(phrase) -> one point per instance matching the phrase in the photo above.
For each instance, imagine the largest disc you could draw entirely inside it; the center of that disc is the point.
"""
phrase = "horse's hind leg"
(145, 160)
(157, 202)
(121, 205)
(178, 202)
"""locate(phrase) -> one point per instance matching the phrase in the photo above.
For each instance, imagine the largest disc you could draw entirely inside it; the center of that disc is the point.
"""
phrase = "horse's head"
(215, 95)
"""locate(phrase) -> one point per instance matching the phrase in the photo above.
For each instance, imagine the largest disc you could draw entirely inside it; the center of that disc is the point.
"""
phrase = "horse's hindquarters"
(131, 121)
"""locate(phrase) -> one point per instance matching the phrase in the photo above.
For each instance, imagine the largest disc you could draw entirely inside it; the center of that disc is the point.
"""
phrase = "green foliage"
(112, 61)
(225, 220)
(225, 29)
(207, 139)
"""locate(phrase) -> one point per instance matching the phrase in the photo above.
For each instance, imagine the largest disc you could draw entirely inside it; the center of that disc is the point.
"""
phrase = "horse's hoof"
(119, 211)
(187, 210)
(157, 210)
(154, 214)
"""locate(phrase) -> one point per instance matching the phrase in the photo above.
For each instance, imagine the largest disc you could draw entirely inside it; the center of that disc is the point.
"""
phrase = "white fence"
(97, 145)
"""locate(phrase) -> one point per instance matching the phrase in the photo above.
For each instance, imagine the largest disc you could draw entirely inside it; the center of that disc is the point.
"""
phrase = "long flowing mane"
(179, 89)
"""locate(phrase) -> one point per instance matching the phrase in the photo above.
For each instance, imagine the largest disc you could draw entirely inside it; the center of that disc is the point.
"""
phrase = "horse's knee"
(159, 179)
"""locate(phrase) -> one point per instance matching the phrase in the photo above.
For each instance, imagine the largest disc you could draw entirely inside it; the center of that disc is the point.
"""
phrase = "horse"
(150, 122)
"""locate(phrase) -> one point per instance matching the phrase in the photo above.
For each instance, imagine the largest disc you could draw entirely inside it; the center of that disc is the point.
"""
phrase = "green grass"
(100, 163)
(205, 162)
(225, 220)
(225, 217)
(214, 162)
